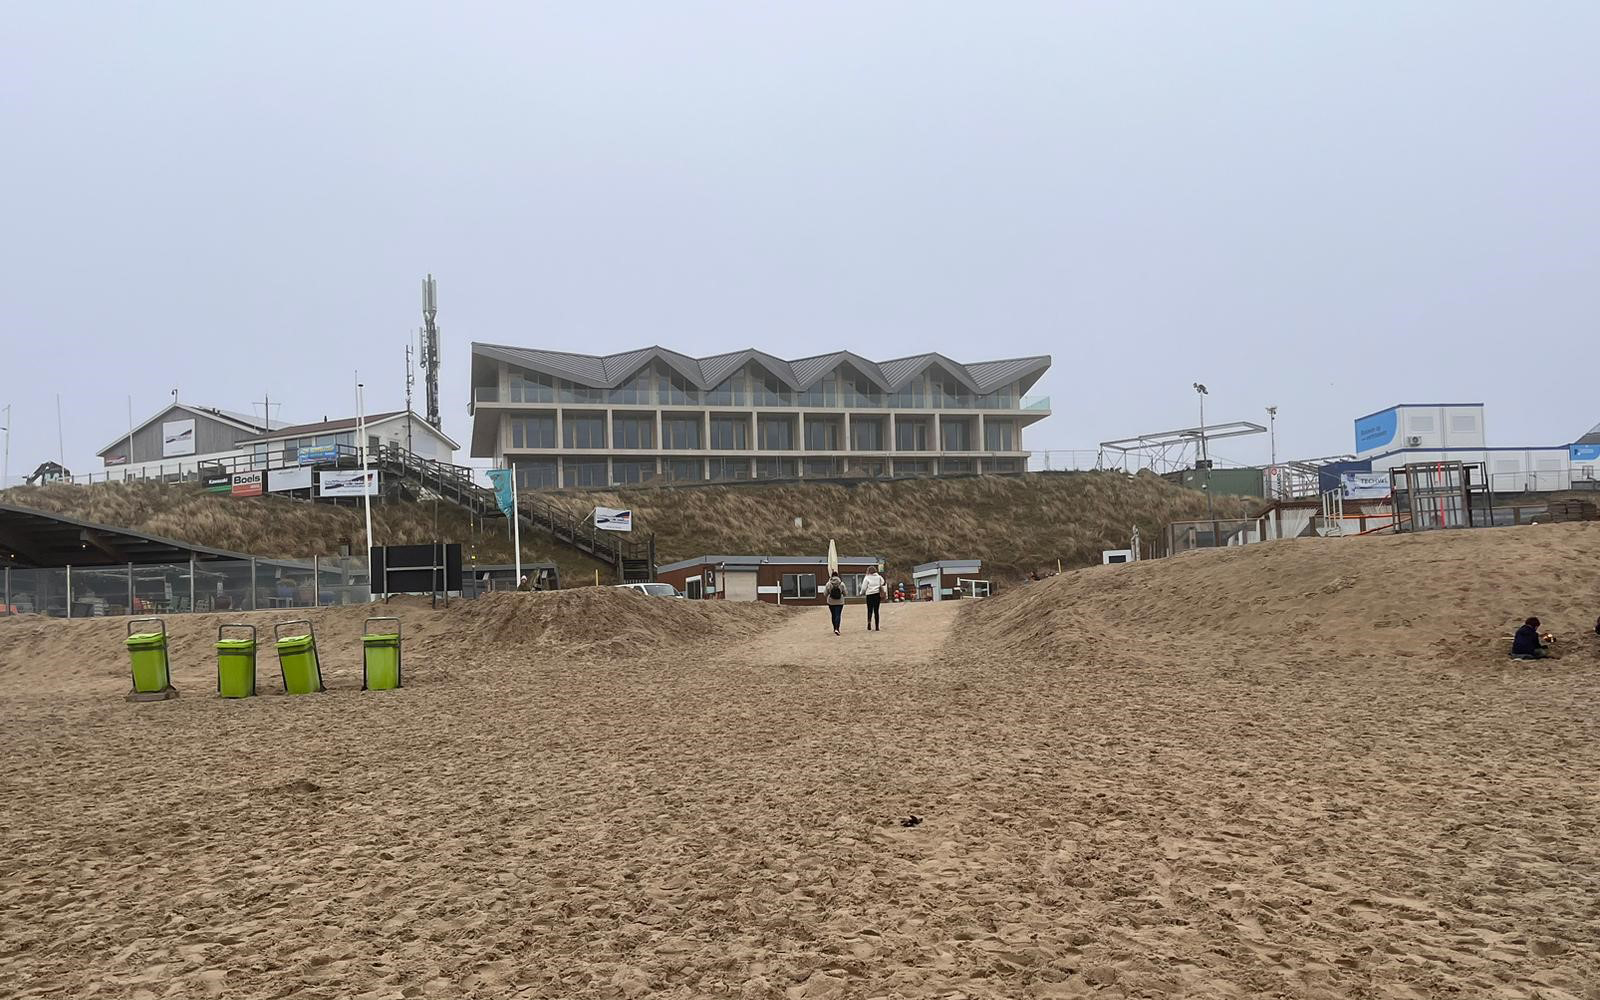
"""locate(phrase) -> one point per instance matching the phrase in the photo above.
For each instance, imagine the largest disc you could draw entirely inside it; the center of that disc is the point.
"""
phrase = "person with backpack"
(834, 591)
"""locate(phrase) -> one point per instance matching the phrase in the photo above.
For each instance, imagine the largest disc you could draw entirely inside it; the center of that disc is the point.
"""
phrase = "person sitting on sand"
(835, 595)
(1528, 644)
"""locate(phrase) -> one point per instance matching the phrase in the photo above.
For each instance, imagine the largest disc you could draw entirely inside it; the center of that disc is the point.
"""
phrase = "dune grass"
(1015, 524)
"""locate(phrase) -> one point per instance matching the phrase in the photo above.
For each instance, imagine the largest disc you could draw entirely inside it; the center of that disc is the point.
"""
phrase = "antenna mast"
(411, 380)
(430, 348)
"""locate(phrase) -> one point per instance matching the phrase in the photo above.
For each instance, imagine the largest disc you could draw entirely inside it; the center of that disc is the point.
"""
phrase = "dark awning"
(37, 539)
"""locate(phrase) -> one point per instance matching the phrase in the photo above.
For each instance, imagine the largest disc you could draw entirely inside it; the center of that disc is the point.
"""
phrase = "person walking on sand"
(872, 587)
(835, 594)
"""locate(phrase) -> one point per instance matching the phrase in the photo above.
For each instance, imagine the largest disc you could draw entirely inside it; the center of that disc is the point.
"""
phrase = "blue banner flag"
(504, 490)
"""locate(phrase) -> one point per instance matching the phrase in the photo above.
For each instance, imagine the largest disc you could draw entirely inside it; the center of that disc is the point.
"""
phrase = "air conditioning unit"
(1414, 441)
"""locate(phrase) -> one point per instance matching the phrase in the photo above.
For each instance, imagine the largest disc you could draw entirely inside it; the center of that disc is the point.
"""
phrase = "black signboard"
(217, 482)
(416, 569)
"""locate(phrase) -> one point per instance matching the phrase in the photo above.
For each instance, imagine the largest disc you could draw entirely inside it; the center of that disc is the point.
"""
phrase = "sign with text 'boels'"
(248, 484)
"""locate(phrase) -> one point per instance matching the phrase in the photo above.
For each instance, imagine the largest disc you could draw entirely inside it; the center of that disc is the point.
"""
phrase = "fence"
(197, 585)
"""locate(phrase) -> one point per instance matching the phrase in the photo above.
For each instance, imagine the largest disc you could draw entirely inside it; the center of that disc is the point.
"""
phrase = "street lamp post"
(1205, 462)
(1272, 439)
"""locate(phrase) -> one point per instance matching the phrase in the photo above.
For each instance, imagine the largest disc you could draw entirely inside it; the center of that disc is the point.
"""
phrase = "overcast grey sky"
(1331, 207)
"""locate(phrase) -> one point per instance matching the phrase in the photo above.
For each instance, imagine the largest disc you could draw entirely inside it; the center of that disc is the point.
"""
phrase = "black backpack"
(835, 592)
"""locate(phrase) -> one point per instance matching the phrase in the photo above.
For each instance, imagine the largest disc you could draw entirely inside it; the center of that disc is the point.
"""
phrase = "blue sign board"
(318, 453)
(1585, 452)
(1377, 431)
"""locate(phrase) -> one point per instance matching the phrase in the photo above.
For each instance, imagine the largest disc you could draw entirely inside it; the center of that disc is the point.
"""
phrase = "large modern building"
(581, 420)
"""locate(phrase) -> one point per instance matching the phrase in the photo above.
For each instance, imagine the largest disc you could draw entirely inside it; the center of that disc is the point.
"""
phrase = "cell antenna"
(429, 355)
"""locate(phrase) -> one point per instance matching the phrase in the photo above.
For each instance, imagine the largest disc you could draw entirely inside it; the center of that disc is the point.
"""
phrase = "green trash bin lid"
(146, 640)
(236, 645)
(294, 644)
(388, 639)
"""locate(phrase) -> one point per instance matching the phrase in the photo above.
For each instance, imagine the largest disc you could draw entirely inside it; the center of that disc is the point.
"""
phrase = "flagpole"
(366, 486)
(516, 525)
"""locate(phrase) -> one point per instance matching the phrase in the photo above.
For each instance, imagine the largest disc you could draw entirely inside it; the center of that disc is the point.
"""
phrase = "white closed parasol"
(833, 558)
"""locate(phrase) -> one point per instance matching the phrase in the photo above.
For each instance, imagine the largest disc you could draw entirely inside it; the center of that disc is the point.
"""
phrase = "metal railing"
(798, 401)
(199, 585)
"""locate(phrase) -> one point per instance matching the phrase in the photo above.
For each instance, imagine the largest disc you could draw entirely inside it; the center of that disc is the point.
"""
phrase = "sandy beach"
(1301, 769)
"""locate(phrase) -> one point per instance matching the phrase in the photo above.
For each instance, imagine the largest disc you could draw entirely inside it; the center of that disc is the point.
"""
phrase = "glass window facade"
(633, 432)
(585, 472)
(536, 474)
(821, 468)
(775, 433)
(957, 435)
(531, 387)
(999, 435)
(690, 470)
(680, 433)
(730, 433)
(823, 435)
(866, 434)
(728, 468)
(776, 468)
(534, 432)
(632, 471)
(912, 435)
(583, 430)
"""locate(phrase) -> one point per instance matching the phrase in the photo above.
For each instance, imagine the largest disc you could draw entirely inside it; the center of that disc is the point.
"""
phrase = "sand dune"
(1304, 769)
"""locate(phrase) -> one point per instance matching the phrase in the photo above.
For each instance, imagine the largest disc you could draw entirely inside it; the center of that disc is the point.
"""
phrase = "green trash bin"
(380, 669)
(152, 672)
(236, 663)
(297, 659)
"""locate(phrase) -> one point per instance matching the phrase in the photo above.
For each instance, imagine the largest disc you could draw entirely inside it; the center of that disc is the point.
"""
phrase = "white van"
(652, 589)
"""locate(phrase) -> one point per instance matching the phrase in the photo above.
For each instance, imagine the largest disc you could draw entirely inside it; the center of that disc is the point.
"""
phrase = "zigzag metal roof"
(607, 371)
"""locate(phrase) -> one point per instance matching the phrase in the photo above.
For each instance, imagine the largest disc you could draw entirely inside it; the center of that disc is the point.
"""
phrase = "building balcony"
(1030, 406)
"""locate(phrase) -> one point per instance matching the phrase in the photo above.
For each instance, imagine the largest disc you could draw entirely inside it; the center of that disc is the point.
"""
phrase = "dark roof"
(243, 421)
(344, 424)
(36, 538)
(324, 426)
(1593, 437)
(607, 371)
(773, 560)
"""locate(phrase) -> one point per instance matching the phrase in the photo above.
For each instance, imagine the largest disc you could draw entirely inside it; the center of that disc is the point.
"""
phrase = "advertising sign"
(1376, 431)
(354, 483)
(284, 480)
(611, 519)
(216, 482)
(116, 460)
(177, 438)
(1364, 485)
(248, 484)
(1585, 452)
(318, 453)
